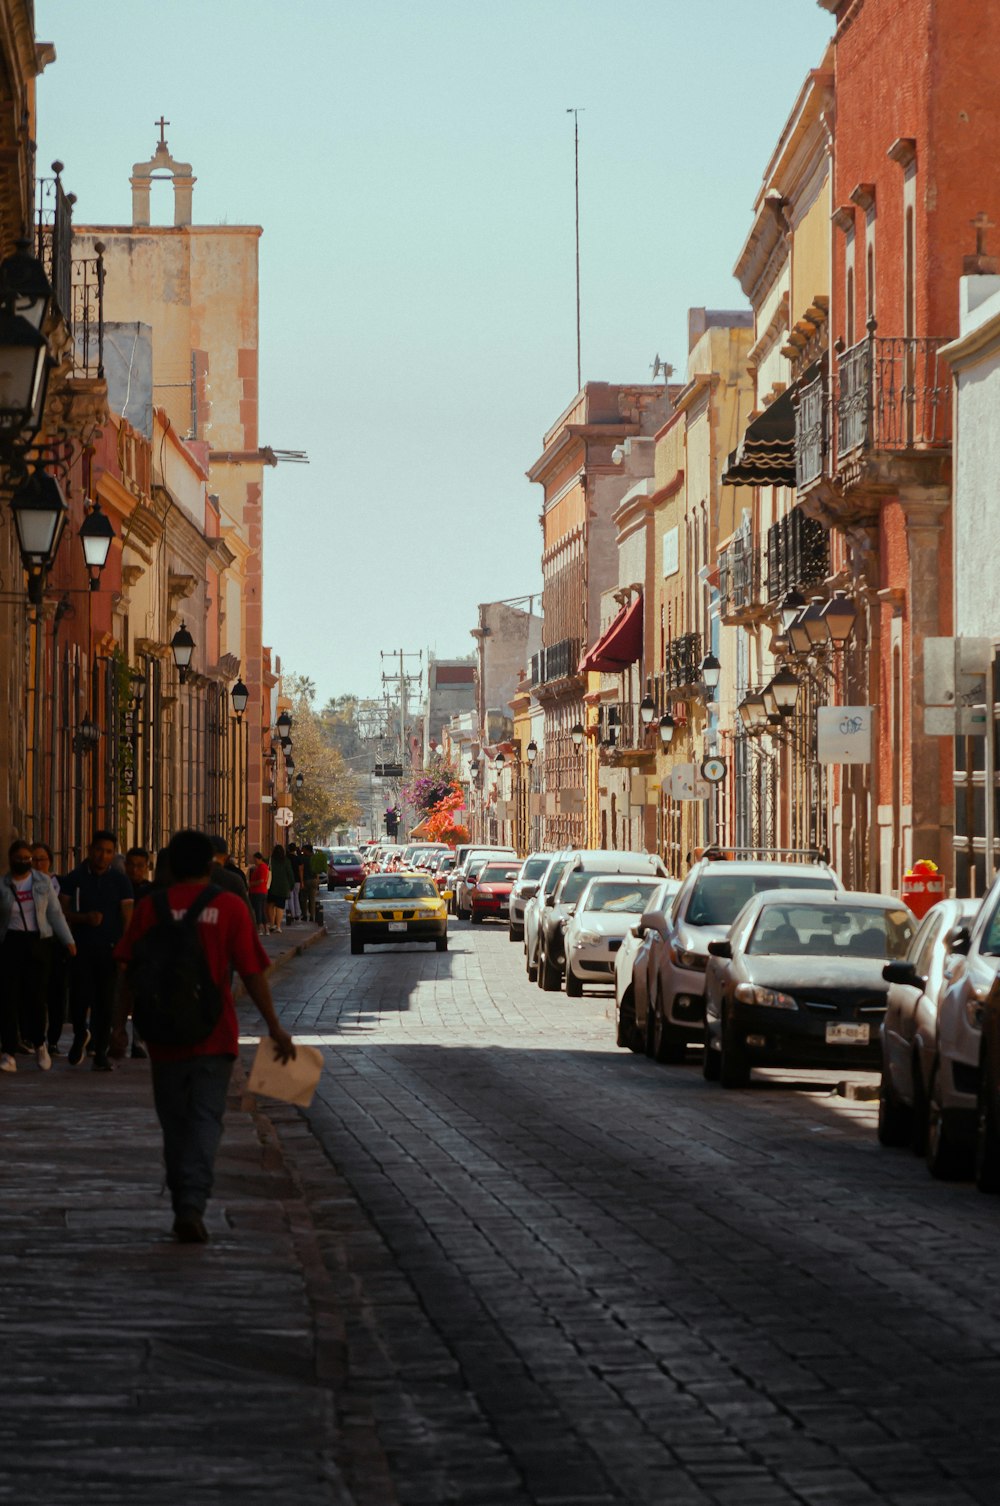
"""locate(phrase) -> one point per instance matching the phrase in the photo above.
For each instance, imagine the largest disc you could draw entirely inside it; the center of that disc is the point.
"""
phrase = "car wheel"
(515, 933)
(442, 943)
(357, 945)
(918, 1138)
(532, 970)
(476, 919)
(548, 976)
(664, 1049)
(574, 987)
(711, 1061)
(626, 1030)
(895, 1119)
(948, 1156)
(734, 1065)
(987, 1161)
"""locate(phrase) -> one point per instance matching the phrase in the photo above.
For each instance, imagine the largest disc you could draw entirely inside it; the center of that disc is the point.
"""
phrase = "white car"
(534, 907)
(631, 962)
(529, 877)
(606, 911)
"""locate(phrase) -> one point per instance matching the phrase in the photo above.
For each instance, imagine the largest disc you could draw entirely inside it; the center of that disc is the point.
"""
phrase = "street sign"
(956, 672)
(388, 771)
(685, 782)
(714, 770)
(283, 816)
(844, 734)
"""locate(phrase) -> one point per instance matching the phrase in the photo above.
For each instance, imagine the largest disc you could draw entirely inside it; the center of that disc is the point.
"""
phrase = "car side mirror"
(550, 900)
(905, 973)
(652, 920)
(638, 932)
(721, 949)
(957, 940)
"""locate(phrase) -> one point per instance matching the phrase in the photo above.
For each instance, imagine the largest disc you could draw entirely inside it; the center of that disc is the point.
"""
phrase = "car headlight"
(588, 938)
(764, 998)
(694, 961)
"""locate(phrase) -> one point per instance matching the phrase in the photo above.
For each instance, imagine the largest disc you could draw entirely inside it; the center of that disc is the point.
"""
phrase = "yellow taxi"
(398, 907)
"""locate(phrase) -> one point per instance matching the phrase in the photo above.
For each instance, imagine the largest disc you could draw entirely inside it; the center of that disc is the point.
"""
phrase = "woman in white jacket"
(30, 915)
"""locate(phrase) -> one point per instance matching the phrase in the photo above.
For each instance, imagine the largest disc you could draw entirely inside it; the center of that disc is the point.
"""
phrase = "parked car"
(489, 896)
(798, 982)
(474, 861)
(708, 901)
(910, 1028)
(559, 905)
(631, 961)
(529, 876)
(395, 907)
(346, 868)
(441, 873)
(534, 908)
(603, 916)
(959, 1110)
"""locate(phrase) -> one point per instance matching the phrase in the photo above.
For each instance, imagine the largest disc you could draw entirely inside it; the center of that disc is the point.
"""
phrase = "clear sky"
(411, 162)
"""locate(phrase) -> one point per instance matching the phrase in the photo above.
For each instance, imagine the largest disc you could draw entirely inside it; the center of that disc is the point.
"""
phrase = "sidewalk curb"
(283, 958)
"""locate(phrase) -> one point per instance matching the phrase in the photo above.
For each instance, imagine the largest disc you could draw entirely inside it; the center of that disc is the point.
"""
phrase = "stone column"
(926, 511)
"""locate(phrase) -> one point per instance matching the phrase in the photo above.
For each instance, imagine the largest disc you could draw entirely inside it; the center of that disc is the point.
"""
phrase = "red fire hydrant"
(922, 888)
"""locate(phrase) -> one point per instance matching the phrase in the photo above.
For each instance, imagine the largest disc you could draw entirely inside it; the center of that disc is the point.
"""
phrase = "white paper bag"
(292, 1081)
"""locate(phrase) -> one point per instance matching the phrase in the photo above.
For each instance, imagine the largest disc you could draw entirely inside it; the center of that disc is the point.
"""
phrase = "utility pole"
(575, 112)
(401, 680)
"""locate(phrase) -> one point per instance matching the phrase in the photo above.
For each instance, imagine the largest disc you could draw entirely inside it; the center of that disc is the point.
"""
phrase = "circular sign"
(283, 816)
(714, 770)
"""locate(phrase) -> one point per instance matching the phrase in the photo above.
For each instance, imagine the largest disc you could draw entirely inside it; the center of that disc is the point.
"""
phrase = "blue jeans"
(190, 1099)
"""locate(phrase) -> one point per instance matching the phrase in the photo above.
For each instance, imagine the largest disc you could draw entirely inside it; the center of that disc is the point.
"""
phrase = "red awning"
(620, 645)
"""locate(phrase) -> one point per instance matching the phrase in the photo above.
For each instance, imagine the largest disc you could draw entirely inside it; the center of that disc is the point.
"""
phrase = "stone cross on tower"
(162, 165)
(979, 264)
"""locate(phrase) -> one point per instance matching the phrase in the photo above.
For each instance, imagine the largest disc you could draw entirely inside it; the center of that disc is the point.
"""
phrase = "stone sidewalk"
(137, 1370)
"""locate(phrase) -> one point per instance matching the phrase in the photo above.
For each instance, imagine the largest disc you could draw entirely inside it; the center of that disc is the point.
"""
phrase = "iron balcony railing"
(810, 433)
(798, 554)
(621, 718)
(893, 393)
(739, 576)
(77, 281)
(682, 662)
(557, 662)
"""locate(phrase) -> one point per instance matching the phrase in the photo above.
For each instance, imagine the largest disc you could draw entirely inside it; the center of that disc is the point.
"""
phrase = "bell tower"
(161, 165)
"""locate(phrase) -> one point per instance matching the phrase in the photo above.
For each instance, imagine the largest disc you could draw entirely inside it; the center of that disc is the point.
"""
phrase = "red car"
(346, 869)
(490, 895)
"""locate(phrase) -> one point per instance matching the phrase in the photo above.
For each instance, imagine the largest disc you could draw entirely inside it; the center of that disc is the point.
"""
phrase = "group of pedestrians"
(58, 937)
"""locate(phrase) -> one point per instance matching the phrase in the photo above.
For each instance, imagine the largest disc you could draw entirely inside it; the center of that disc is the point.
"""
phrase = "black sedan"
(798, 982)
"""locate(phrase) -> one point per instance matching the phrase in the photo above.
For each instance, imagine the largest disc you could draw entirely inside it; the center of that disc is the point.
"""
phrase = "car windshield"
(393, 886)
(831, 931)
(346, 859)
(629, 899)
(498, 875)
(534, 868)
(718, 896)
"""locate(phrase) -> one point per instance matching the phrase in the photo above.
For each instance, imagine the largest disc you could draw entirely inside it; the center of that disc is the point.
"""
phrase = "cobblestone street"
(568, 1275)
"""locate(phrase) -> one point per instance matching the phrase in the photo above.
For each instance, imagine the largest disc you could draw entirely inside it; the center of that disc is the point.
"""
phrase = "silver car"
(631, 963)
(707, 903)
(529, 877)
(534, 907)
(910, 1027)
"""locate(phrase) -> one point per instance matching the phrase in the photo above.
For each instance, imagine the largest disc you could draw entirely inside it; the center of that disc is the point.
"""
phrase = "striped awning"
(766, 454)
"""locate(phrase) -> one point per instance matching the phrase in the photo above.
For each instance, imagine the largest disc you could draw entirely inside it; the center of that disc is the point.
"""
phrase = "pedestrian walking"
(225, 874)
(311, 882)
(278, 889)
(137, 873)
(97, 900)
(260, 878)
(30, 916)
(194, 921)
(42, 861)
(295, 863)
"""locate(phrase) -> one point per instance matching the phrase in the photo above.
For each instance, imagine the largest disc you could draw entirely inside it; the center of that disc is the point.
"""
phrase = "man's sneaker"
(7, 1062)
(78, 1050)
(190, 1228)
(102, 1064)
(43, 1058)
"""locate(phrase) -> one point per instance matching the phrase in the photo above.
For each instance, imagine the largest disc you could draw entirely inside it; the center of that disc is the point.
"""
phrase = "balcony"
(557, 662)
(682, 664)
(798, 554)
(894, 395)
(810, 433)
(622, 719)
(740, 596)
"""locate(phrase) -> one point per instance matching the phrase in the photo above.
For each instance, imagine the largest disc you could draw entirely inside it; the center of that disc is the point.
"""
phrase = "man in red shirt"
(190, 1083)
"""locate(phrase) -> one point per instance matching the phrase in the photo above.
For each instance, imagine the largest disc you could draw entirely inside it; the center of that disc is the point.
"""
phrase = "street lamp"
(753, 711)
(286, 744)
(40, 511)
(532, 751)
(711, 671)
(666, 729)
(798, 635)
(785, 688)
(647, 707)
(88, 735)
(577, 734)
(138, 682)
(283, 724)
(770, 704)
(182, 647)
(814, 622)
(24, 288)
(840, 614)
(499, 762)
(240, 697)
(300, 780)
(290, 764)
(96, 534)
(474, 768)
(792, 604)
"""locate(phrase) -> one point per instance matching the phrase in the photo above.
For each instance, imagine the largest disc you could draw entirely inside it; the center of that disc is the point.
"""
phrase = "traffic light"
(391, 823)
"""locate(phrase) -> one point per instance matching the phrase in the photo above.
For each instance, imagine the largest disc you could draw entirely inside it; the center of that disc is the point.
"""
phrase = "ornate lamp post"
(240, 697)
(96, 534)
(40, 512)
(182, 647)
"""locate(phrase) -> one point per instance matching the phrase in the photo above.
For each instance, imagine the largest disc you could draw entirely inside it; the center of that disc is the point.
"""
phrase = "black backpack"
(176, 1001)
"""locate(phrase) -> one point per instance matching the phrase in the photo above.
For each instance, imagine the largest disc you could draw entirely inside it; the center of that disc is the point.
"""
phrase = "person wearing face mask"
(97, 901)
(58, 992)
(30, 916)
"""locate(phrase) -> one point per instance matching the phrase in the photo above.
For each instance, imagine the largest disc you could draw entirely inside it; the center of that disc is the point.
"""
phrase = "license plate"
(847, 1035)
(400, 925)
